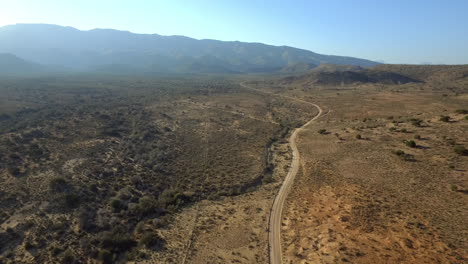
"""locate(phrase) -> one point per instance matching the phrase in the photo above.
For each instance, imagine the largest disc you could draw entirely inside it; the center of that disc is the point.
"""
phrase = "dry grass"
(357, 201)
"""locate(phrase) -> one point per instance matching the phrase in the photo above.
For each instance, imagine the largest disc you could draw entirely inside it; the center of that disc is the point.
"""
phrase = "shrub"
(403, 155)
(15, 172)
(173, 197)
(136, 180)
(58, 184)
(116, 204)
(160, 222)
(55, 251)
(140, 227)
(417, 137)
(408, 157)
(267, 179)
(466, 117)
(445, 118)
(105, 256)
(117, 241)
(134, 254)
(151, 240)
(461, 150)
(146, 206)
(461, 111)
(358, 136)
(410, 143)
(322, 131)
(399, 152)
(67, 257)
(416, 122)
(450, 141)
(86, 219)
(72, 200)
(28, 245)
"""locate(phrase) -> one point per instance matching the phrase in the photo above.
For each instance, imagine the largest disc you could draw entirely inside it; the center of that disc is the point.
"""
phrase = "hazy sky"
(395, 31)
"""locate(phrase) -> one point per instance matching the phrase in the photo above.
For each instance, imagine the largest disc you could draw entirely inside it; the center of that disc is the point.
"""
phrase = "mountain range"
(107, 50)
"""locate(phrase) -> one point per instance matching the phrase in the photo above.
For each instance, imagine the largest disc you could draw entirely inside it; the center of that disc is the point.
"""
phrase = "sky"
(391, 31)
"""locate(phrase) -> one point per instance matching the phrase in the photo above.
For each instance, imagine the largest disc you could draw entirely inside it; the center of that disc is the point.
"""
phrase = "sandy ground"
(357, 202)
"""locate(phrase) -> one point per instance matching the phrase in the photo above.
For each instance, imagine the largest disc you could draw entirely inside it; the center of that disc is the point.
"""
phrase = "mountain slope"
(10, 64)
(336, 68)
(300, 67)
(51, 44)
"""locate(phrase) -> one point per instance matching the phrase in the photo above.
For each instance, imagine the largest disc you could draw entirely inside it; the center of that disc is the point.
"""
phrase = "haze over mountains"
(64, 48)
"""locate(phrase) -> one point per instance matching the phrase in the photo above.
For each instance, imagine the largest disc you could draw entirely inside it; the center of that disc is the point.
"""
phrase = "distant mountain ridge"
(107, 49)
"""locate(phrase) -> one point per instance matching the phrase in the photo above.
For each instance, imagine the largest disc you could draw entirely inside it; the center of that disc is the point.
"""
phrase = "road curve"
(274, 228)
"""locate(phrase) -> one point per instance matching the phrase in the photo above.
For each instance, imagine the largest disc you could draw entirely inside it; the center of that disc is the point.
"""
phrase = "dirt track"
(274, 228)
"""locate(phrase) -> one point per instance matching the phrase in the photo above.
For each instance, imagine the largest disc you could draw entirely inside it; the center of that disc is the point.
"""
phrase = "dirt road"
(274, 228)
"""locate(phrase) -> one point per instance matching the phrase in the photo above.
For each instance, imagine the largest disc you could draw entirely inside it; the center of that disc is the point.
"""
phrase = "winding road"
(274, 228)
